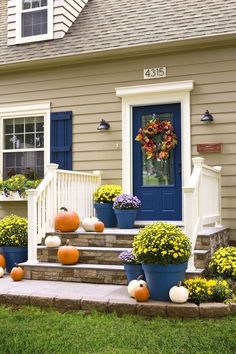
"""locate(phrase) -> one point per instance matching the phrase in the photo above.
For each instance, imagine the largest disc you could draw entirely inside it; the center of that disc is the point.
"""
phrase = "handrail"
(72, 189)
(202, 200)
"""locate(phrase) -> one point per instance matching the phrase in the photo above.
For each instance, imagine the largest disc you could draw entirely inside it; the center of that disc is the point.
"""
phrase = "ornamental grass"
(162, 243)
(107, 193)
(13, 231)
(223, 263)
(207, 290)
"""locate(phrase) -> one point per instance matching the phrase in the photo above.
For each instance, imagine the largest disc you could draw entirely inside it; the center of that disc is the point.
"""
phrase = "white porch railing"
(59, 188)
(202, 200)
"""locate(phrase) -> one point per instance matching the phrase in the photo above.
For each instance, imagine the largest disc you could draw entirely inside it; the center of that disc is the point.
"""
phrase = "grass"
(29, 330)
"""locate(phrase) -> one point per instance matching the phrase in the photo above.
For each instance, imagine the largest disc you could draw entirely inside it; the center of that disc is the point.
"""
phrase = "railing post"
(32, 225)
(219, 170)
(52, 194)
(99, 175)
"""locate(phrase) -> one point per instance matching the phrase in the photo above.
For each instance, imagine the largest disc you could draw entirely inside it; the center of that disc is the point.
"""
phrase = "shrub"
(107, 193)
(161, 243)
(13, 231)
(203, 290)
(18, 183)
(223, 263)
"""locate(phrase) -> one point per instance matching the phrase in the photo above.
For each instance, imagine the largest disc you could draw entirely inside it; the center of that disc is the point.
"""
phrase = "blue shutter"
(61, 139)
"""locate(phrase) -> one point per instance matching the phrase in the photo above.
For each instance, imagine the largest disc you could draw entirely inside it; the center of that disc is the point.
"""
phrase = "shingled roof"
(114, 24)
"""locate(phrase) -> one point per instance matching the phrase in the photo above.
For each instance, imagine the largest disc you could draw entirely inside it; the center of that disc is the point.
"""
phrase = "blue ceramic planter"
(160, 278)
(14, 255)
(125, 218)
(133, 271)
(105, 213)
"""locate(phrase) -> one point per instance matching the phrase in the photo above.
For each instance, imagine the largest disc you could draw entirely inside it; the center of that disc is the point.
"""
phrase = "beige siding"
(18, 208)
(89, 91)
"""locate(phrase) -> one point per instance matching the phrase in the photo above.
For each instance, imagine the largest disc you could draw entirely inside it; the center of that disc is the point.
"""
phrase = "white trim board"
(154, 94)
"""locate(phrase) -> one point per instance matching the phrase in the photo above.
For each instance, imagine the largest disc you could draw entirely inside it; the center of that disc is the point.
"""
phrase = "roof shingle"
(112, 24)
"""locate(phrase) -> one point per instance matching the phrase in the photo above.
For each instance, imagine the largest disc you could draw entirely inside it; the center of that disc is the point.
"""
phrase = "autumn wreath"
(157, 138)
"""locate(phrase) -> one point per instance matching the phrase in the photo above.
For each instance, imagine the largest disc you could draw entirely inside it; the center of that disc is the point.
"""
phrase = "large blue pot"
(14, 255)
(160, 278)
(125, 218)
(105, 213)
(133, 271)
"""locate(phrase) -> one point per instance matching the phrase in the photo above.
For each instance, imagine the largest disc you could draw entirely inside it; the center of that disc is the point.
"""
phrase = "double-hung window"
(34, 20)
(24, 139)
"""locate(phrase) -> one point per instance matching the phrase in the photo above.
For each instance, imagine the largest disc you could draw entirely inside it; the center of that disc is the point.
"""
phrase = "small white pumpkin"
(1, 272)
(134, 284)
(52, 241)
(179, 294)
(89, 223)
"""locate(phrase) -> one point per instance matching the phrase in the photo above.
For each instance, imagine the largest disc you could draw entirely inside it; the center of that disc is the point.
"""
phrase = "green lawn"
(29, 330)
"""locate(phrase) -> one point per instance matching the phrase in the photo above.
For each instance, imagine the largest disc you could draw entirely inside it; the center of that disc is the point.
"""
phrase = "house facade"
(63, 69)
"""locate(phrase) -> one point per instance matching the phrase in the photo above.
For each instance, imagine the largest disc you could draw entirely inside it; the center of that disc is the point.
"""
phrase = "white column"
(32, 225)
(219, 170)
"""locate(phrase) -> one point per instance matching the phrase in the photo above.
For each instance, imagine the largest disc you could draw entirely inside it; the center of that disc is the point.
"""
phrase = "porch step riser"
(98, 240)
(98, 276)
(213, 241)
(104, 257)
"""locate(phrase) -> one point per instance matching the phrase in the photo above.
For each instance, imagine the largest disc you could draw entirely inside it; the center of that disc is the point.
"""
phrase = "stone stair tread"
(201, 251)
(74, 266)
(98, 249)
(107, 231)
(195, 271)
(209, 231)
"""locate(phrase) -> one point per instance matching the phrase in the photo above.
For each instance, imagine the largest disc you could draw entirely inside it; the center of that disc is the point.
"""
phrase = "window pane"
(30, 163)
(39, 140)
(9, 142)
(34, 23)
(35, 3)
(26, 4)
(19, 125)
(29, 141)
(29, 124)
(44, 2)
(39, 124)
(19, 141)
(8, 126)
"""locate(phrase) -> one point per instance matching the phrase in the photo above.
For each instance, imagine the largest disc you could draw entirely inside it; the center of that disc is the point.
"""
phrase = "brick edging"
(121, 307)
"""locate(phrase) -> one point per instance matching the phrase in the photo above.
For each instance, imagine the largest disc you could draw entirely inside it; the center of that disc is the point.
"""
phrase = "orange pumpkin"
(17, 273)
(2, 261)
(66, 221)
(68, 254)
(99, 226)
(141, 293)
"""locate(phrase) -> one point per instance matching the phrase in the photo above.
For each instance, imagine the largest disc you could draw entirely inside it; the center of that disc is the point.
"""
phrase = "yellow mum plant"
(107, 193)
(13, 231)
(203, 290)
(223, 263)
(161, 243)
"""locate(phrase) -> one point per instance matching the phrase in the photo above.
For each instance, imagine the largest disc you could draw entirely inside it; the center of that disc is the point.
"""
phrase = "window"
(35, 20)
(23, 146)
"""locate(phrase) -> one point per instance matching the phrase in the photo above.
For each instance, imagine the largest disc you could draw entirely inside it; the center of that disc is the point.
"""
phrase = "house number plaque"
(154, 73)
(211, 147)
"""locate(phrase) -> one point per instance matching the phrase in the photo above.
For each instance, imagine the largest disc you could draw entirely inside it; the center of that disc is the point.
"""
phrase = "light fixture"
(103, 125)
(207, 117)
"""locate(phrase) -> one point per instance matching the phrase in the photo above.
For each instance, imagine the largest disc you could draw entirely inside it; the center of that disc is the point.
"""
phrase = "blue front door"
(158, 182)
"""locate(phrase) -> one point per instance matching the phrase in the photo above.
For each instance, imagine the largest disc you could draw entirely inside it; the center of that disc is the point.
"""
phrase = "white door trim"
(162, 93)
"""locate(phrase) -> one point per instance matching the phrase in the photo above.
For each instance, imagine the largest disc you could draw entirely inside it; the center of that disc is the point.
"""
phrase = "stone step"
(88, 255)
(107, 255)
(211, 238)
(83, 273)
(110, 237)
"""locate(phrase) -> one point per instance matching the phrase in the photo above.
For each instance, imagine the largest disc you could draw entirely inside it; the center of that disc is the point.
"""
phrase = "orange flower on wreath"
(157, 138)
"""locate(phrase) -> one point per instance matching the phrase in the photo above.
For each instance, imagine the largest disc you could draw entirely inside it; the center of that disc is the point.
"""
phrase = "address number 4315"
(154, 73)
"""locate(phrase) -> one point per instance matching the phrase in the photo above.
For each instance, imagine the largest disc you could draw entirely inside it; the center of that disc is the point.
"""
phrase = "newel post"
(98, 174)
(32, 225)
(219, 170)
(51, 201)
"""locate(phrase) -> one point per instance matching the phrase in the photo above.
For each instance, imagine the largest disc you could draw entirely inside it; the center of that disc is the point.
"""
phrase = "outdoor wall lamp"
(103, 126)
(207, 117)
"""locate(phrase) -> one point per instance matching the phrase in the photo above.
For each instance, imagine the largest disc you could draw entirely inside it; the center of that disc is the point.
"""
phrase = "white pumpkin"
(89, 222)
(179, 294)
(134, 284)
(52, 241)
(1, 272)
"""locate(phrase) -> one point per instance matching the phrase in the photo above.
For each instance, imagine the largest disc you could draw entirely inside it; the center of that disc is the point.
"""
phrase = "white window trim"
(27, 110)
(42, 37)
(162, 93)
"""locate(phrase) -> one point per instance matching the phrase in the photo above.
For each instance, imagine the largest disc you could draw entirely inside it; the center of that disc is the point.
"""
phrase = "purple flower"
(125, 201)
(128, 257)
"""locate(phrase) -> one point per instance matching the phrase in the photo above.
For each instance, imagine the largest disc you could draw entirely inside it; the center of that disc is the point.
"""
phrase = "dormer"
(39, 20)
